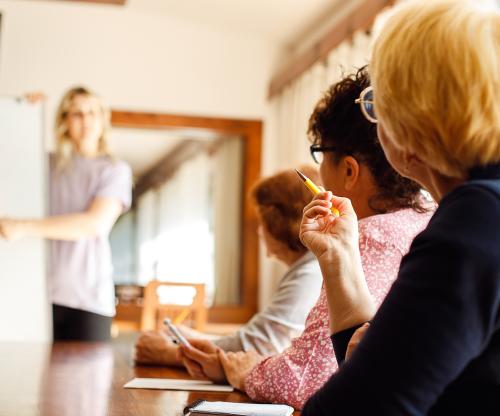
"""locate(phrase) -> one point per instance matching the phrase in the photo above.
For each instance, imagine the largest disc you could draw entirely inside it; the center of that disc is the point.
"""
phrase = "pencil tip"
(302, 176)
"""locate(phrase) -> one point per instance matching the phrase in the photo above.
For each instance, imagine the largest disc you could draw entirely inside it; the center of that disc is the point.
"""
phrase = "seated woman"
(279, 200)
(433, 348)
(391, 212)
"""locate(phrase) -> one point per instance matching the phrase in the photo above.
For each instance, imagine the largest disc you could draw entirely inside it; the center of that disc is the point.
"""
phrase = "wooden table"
(73, 379)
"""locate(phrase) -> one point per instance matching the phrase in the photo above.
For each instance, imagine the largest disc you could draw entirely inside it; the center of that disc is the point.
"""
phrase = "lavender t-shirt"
(80, 272)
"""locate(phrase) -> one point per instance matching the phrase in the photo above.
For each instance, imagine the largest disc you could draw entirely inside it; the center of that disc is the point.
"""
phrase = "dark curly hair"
(338, 121)
(280, 200)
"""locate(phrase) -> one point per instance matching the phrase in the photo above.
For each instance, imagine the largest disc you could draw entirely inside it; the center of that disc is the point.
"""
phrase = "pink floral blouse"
(294, 375)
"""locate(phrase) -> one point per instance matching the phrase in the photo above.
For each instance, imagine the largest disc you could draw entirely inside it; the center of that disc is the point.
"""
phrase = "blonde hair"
(64, 144)
(436, 76)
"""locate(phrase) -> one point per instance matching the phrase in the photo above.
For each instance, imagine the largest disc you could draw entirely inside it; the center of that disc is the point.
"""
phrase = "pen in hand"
(176, 334)
(315, 190)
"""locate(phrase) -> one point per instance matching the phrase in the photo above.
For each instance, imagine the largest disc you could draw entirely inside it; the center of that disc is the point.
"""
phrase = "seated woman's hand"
(237, 365)
(356, 339)
(202, 361)
(154, 347)
(325, 234)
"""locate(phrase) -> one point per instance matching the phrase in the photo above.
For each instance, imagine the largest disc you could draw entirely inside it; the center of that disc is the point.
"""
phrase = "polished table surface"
(87, 379)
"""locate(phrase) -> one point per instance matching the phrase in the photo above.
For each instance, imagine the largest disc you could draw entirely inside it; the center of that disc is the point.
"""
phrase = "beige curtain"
(174, 240)
(227, 199)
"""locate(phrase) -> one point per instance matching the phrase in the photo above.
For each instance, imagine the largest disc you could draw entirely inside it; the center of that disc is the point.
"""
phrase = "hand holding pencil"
(315, 190)
(324, 230)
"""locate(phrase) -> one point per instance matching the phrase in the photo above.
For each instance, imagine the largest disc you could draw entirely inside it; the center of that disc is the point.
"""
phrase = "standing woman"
(89, 190)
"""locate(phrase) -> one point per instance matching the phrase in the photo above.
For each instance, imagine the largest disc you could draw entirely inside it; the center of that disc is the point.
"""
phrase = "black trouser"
(77, 325)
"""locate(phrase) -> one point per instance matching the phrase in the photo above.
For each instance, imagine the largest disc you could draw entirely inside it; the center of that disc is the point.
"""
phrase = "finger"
(223, 358)
(194, 369)
(326, 195)
(228, 361)
(203, 345)
(315, 212)
(316, 203)
(194, 354)
(344, 205)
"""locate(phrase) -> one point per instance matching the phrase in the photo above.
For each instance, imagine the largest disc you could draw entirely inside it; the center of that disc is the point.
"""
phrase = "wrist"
(26, 227)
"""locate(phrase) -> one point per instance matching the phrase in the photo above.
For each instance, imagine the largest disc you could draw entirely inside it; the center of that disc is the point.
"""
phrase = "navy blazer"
(434, 345)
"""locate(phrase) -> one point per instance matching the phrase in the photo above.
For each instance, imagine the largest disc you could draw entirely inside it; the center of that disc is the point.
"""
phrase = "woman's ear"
(351, 172)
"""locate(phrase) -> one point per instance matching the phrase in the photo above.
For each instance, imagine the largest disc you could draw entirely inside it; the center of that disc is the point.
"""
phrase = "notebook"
(176, 384)
(206, 408)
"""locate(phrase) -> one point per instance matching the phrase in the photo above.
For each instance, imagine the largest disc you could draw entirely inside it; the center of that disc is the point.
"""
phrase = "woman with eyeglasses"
(88, 191)
(433, 347)
(391, 211)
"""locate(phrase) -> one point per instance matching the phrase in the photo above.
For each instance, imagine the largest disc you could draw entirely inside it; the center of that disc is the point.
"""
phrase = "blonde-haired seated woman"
(433, 348)
(279, 200)
(88, 191)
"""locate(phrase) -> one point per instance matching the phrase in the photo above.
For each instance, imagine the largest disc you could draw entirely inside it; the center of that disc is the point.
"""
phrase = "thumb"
(222, 357)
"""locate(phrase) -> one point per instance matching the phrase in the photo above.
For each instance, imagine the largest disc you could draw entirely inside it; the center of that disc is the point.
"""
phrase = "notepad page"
(176, 384)
(245, 409)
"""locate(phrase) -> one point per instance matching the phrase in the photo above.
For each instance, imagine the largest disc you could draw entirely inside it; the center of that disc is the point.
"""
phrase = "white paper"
(244, 409)
(176, 384)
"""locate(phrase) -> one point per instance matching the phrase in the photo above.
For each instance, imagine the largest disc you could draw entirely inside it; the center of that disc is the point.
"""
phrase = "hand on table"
(202, 360)
(155, 347)
(237, 365)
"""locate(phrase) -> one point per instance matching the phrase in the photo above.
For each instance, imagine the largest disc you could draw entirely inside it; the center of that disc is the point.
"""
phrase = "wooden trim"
(251, 133)
(360, 18)
(115, 2)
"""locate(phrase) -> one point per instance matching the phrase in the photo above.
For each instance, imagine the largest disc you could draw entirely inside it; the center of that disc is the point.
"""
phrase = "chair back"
(181, 302)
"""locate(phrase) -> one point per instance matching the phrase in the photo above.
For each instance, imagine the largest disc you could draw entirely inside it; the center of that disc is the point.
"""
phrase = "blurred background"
(206, 97)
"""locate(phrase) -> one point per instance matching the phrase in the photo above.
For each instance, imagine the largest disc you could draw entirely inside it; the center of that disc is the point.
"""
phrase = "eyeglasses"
(365, 100)
(317, 152)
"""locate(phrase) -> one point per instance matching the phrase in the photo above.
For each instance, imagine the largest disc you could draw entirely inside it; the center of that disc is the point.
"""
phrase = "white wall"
(135, 60)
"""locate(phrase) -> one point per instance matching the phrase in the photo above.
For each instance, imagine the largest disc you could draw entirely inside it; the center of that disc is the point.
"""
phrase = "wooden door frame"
(250, 131)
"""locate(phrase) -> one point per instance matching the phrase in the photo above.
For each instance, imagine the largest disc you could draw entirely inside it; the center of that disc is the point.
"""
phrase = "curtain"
(227, 205)
(189, 229)
(175, 242)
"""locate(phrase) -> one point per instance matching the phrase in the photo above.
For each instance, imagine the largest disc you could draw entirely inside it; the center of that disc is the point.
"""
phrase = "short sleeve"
(116, 182)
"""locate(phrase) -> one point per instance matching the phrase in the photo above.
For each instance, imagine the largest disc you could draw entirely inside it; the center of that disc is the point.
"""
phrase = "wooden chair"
(154, 311)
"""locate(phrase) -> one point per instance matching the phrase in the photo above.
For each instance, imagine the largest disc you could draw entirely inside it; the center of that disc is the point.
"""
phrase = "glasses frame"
(314, 148)
(361, 101)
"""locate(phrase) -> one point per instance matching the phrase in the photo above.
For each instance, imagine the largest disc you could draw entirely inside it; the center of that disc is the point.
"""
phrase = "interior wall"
(135, 60)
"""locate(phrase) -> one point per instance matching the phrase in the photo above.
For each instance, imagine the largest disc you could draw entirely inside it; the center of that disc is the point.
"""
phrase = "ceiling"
(281, 21)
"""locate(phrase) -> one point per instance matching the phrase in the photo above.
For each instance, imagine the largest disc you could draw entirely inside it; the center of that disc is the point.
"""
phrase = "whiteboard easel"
(24, 308)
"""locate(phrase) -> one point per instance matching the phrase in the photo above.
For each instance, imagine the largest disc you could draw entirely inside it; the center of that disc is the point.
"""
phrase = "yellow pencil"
(315, 190)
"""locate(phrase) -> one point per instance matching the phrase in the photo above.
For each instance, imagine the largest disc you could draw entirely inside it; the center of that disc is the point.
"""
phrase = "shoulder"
(117, 165)
(307, 267)
(396, 228)
(467, 218)
(114, 168)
